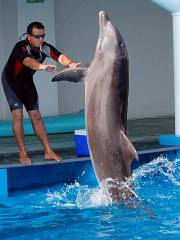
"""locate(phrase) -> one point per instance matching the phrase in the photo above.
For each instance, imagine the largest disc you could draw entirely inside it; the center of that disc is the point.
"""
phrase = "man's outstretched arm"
(35, 65)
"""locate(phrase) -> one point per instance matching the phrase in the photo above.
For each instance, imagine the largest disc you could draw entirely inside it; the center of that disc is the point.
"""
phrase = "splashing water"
(160, 165)
(83, 196)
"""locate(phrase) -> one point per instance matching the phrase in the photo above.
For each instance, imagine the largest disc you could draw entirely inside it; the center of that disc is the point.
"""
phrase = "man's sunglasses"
(42, 36)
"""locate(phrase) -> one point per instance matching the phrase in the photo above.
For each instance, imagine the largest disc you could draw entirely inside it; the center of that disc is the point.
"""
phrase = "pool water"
(78, 211)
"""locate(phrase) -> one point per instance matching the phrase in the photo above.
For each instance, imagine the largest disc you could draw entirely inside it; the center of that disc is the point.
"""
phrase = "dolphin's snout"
(103, 18)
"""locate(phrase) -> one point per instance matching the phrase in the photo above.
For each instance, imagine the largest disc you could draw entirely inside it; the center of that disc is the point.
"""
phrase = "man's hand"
(67, 62)
(74, 65)
(49, 68)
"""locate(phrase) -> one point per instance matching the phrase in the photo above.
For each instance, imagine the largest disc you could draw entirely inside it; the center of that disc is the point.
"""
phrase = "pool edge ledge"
(170, 140)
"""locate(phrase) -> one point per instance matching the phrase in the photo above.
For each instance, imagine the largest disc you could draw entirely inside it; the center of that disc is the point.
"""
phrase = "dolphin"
(106, 102)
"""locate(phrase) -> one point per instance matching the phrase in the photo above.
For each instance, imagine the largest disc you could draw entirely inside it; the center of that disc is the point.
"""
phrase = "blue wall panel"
(3, 183)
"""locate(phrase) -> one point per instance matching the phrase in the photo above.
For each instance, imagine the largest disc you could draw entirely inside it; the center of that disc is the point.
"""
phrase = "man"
(17, 78)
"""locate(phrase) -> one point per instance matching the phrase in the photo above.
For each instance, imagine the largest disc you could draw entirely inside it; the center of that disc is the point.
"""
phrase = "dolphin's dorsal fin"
(71, 75)
(128, 147)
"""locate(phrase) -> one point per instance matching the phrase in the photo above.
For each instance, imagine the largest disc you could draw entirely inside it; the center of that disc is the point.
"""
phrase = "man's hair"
(32, 25)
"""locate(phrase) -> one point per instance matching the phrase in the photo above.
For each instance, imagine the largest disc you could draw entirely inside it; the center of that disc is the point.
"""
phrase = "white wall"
(147, 30)
(71, 39)
(43, 12)
(8, 36)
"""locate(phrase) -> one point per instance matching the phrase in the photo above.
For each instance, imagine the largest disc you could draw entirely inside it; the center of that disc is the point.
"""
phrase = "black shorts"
(23, 93)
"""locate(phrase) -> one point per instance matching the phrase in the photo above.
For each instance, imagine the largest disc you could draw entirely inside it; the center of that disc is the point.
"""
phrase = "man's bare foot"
(24, 159)
(53, 156)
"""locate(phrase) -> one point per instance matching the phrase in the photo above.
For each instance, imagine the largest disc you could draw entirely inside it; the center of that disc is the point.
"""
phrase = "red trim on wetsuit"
(18, 67)
(53, 55)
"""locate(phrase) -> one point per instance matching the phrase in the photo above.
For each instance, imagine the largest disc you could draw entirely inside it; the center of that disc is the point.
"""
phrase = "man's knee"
(35, 117)
(17, 116)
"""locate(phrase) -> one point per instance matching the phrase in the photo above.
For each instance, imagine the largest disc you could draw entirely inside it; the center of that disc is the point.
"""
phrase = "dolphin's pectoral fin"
(71, 75)
(128, 147)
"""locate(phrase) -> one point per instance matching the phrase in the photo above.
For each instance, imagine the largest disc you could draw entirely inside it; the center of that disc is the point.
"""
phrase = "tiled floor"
(144, 133)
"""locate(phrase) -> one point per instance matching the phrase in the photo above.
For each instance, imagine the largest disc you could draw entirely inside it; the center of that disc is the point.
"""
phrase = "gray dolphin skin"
(106, 102)
(71, 75)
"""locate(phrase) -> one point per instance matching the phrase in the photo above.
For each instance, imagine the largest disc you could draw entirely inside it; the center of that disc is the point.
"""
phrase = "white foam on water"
(160, 165)
(83, 196)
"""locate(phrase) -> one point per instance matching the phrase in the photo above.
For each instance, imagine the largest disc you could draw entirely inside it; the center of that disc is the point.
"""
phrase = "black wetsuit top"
(17, 79)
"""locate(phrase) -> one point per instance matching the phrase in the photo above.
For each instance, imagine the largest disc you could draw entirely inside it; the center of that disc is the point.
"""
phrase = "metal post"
(176, 41)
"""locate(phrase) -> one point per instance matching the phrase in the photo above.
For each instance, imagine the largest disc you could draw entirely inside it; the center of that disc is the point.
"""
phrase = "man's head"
(35, 34)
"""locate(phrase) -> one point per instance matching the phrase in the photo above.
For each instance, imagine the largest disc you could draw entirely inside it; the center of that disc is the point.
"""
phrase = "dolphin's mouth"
(103, 19)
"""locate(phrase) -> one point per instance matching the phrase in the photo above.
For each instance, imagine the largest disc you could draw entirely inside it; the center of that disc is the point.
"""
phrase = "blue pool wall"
(170, 140)
(16, 177)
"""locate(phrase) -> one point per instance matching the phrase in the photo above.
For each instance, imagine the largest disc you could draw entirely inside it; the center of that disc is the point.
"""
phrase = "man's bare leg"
(18, 130)
(40, 132)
